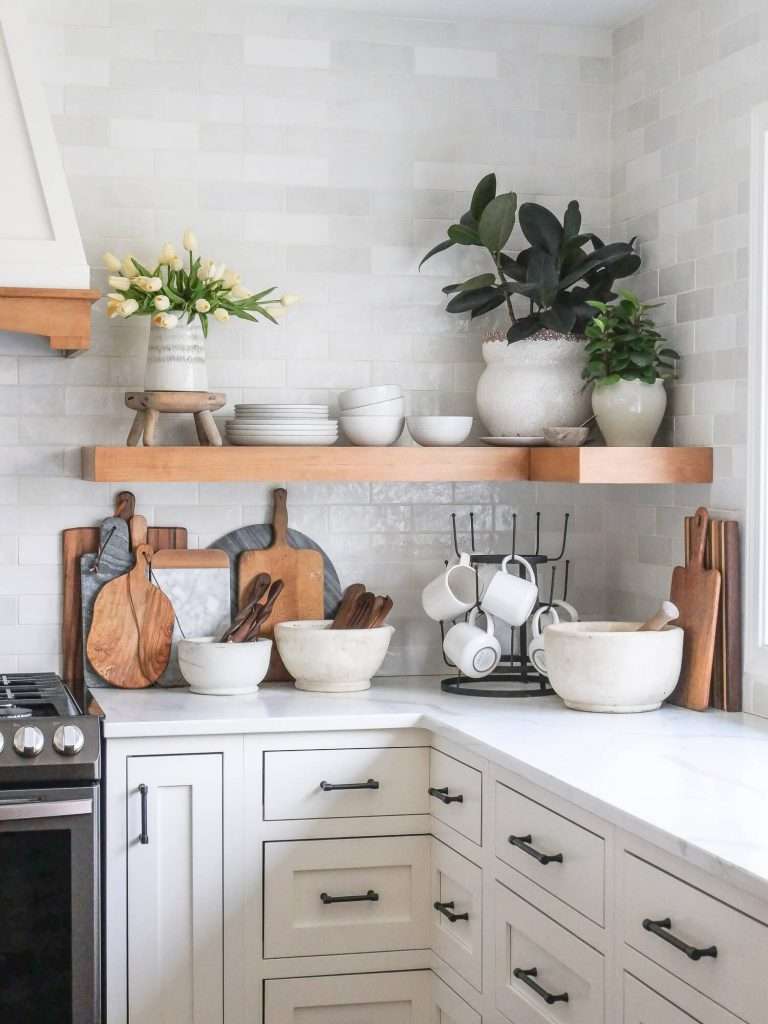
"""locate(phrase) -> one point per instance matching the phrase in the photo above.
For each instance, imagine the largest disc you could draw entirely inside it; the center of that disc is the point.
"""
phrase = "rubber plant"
(624, 344)
(561, 272)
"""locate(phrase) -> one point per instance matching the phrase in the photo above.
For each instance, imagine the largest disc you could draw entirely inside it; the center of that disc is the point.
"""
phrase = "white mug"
(510, 597)
(536, 646)
(569, 610)
(452, 593)
(476, 652)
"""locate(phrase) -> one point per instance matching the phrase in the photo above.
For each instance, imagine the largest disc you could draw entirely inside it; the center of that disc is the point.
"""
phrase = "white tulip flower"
(161, 302)
(289, 300)
(113, 306)
(121, 284)
(128, 307)
(239, 292)
(203, 306)
(129, 267)
(189, 241)
(111, 262)
(116, 296)
(230, 279)
(147, 284)
(167, 254)
(176, 264)
(167, 320)
(221, 315)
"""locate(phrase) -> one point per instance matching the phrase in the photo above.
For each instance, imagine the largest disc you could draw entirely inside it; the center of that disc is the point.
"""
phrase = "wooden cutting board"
(302, 572)
(696, 592)
(129, 643)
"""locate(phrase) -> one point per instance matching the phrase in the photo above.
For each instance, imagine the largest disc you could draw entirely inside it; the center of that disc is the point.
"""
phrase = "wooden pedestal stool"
(149, 405)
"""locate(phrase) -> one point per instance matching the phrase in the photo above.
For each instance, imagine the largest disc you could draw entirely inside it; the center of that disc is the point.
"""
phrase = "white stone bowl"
(609, 666)
(439, 431)
(329, 660)
(355, 397)
(223, 670)
(372, 431)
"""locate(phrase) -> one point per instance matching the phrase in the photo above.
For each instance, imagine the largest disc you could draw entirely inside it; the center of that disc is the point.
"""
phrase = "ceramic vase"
(176, 358)
(630, 412)
(532, 384)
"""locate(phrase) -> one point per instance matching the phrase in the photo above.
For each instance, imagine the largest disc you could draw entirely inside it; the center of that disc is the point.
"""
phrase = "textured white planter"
(176, 358)
(630, 412)
(533, 384)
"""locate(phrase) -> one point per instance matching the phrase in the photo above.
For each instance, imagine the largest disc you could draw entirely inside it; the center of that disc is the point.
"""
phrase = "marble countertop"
(694, 784)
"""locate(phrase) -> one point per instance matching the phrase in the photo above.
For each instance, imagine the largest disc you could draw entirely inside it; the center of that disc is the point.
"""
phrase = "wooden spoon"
(264, 611)
(258, 589)
(347, 606)
(362, 612)
(666, 614)
(381, 610)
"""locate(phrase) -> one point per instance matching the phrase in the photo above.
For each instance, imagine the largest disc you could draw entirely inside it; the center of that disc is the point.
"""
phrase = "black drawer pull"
(446, 909)
(442, 795)
(659, 928)
(523, 843)
(368, 897)
(328, 786)
(144, 837)
(527, 978)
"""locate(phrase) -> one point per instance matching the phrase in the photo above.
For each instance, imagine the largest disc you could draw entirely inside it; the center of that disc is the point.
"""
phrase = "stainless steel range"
(50, 766)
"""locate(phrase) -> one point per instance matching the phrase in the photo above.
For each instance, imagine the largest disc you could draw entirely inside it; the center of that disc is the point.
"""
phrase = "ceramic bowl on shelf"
(331, 660)
(372, 431)
(393, 407)
(223, 670)
(356, 397)
(566, 437)
(439, 431)
(610, 666)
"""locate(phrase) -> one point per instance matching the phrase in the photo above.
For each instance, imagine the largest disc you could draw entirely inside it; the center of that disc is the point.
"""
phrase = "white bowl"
(393, 407)
(331, 660)
(609, 666)
(438, 431)
(356, 397)
(372, 431)
(223, 669)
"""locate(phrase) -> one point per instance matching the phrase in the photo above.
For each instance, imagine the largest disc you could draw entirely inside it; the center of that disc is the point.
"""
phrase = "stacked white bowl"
(281, 424)
(372, 417)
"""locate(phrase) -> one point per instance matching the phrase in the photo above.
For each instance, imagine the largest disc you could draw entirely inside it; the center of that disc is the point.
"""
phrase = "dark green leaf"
(465, 301)
(497, 221)
(559, 318)
(440, 247)
(541, 227)
(485, 191)
(524, 328)
(488, 306)
(512, 268)
(572, 221)
(542, 270)
(463, 235)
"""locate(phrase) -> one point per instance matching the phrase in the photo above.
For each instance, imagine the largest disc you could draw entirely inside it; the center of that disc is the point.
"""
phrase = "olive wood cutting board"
(129, 643)
(302, 573)
(696, 592)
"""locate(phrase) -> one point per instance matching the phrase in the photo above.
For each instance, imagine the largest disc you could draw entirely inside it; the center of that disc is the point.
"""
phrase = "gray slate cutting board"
(116, 559)
(258, 537)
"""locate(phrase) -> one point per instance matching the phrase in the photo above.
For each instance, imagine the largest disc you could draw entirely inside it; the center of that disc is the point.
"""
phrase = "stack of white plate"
(273, 424)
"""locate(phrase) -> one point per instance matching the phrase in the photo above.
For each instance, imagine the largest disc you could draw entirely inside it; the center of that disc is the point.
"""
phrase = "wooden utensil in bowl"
(667, 613)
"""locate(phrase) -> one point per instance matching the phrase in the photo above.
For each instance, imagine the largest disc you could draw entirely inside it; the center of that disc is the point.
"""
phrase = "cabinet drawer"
(528, 941)
(644, 1006)
(450, 779)
(374, 781)
(307, 890)
(397, 997)
(448, 1008)
(734, 978)
(578, 879)
(457, 886)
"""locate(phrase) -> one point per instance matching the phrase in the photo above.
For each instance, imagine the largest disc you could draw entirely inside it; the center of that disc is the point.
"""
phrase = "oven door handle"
(24, 810)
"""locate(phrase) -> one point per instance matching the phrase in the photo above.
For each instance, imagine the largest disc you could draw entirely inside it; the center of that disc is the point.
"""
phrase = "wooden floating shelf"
(467, 463)
(62, 315)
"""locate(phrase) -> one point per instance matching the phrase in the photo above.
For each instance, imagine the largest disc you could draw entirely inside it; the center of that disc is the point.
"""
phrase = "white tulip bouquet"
(172, 290)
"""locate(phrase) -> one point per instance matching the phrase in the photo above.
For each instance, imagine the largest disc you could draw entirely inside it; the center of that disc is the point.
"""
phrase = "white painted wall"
(323, 151)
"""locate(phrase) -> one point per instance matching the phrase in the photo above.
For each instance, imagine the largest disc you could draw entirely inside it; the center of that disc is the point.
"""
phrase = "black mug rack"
(516, 667)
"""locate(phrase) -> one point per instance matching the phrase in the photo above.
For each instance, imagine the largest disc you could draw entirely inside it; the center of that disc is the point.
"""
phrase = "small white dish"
(372, 431)
(223, 670)
(394, 407)
(516, 442)
(355, 397)
(439, 431)
(566, 437)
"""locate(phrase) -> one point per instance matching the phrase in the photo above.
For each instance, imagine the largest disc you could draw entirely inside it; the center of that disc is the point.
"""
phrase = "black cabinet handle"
(524, 843)
(446, 909)
(369, 897)
(527, 978)
(328, 786)
(660, 928)
(442, 795)
(144, 837)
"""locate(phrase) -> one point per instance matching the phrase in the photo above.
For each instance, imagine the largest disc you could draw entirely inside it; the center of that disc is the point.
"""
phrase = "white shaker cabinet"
(175, 894)
(398, 998)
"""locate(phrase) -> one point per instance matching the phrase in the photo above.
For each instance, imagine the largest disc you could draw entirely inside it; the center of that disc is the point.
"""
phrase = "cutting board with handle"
(112, 559)
(302, 572)
(197, 584)
(696, 592)
(129, 643)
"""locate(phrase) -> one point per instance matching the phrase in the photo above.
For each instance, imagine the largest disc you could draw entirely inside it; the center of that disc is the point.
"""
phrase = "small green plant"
(623, 344)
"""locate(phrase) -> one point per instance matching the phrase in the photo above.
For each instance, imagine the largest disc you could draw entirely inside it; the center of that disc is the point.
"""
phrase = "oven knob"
(68, 740)
(28, 741)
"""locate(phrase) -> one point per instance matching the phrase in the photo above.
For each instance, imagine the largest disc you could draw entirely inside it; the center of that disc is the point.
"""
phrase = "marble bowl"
(610, 667)
(329, 660)
(223, 670)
